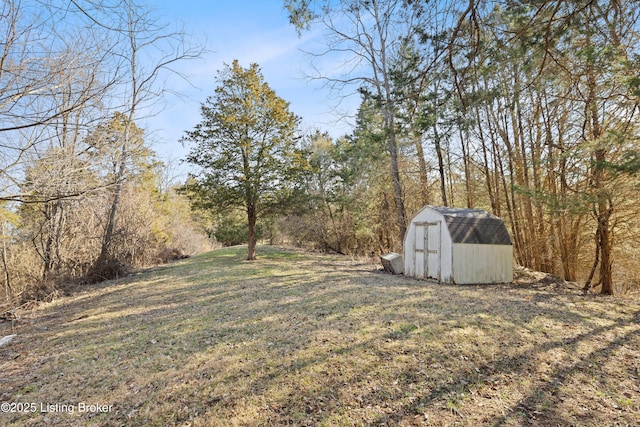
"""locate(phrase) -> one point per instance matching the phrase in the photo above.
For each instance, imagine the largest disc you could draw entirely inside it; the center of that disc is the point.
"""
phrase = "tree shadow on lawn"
(538, 403)
(338, 392)
(307, 344)
(132, 324)
(541, 403)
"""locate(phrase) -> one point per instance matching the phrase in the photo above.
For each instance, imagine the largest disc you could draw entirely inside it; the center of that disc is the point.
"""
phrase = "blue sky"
(250, 31)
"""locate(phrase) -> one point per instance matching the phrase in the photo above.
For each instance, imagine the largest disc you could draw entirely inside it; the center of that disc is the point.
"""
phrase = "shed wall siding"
(482, 263)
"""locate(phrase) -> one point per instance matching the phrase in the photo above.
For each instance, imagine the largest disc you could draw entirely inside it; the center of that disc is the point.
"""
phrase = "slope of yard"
(310, 340)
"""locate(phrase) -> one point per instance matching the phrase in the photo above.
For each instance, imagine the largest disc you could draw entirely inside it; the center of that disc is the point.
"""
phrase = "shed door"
(427, 250)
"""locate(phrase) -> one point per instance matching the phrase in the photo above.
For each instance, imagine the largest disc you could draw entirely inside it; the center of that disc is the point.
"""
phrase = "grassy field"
(315, 340)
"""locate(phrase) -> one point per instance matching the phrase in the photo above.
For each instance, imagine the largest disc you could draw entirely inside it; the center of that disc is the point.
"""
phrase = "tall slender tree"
(141, 35)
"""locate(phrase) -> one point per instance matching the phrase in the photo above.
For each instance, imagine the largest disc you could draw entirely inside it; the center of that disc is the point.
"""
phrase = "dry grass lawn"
(313, 340)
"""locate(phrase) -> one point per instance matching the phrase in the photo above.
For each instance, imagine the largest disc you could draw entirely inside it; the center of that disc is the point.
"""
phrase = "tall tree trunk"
(521, 166)
(395, 175)
(603, 217)
(466, 161)
(107, 237)
(136, 88)
(385, 92)
(603, 205)
(493, 198)
(52, 230)
(438, 146)
(7, 278)
(422, 166)
(441, 170)
(252, 235)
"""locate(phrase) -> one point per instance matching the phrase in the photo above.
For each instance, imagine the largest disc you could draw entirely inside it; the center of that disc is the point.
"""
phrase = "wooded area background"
(83, 197)
(528, 110)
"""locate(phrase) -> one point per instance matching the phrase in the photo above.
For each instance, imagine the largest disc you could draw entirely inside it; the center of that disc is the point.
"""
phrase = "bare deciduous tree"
(142, 35)
(369, 38)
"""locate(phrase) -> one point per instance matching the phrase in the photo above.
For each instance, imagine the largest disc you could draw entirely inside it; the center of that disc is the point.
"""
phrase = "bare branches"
(31, 198)
(82, 60)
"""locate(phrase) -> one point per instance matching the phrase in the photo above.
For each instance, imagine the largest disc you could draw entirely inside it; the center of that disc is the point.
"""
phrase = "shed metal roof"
(474, 226)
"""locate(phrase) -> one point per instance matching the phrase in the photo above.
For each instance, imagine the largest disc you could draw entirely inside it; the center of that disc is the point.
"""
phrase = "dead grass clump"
(166, 255)
(111, 268)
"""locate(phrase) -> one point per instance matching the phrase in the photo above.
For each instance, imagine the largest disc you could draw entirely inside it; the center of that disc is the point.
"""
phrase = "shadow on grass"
(540, 402)
(294, 339)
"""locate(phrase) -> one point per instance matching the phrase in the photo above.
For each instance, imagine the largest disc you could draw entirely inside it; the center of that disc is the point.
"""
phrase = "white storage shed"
(462, 246)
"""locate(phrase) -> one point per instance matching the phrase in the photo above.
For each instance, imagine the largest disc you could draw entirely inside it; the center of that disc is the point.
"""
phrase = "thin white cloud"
(275, 46)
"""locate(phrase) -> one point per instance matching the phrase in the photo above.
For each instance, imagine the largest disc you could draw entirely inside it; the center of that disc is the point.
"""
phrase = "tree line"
(526, 109)
(82, 196)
